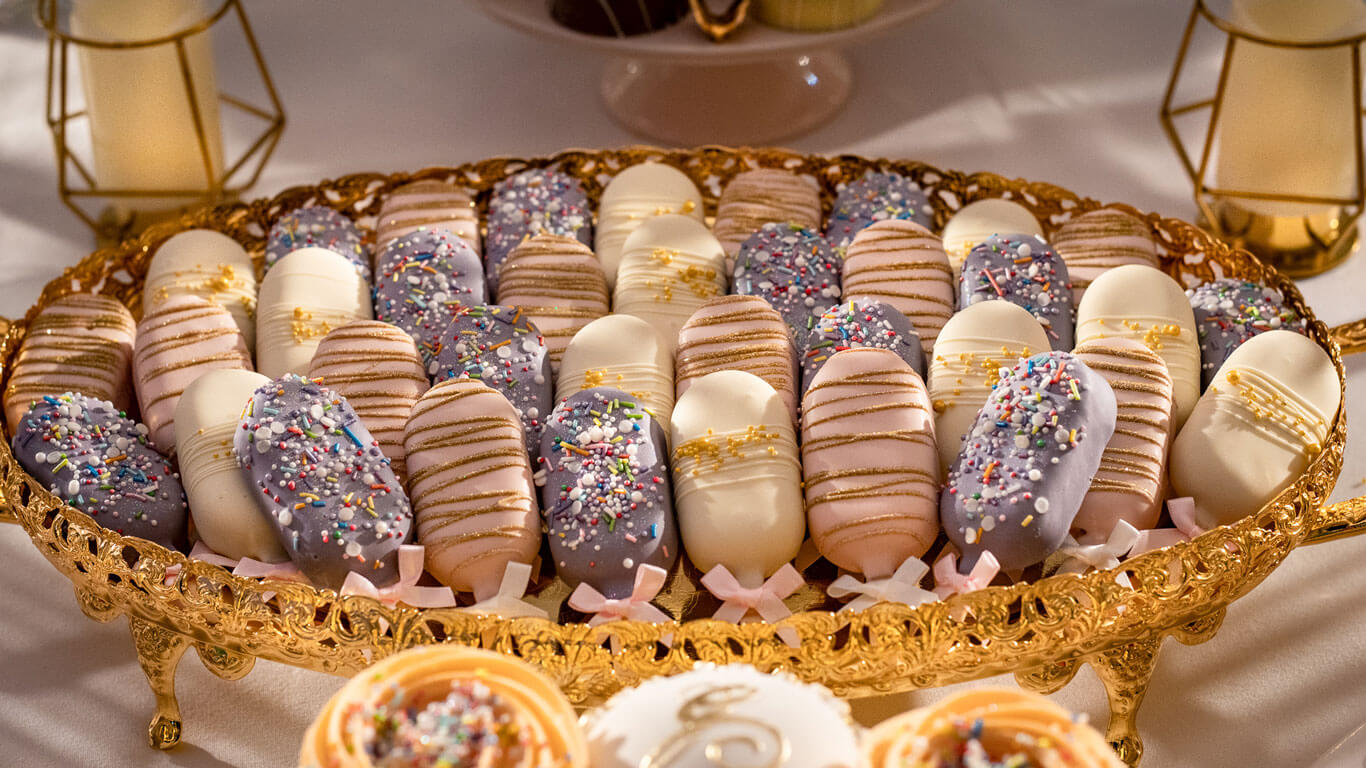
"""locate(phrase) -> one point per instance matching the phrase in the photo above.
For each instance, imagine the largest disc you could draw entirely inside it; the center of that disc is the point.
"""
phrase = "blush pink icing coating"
(376, 367)
(178, 341)
(901, 263)
(1101, 240)
(471, 485)
(739, 333)
(560, 285)
(427, 204)
(755, 198)
(870, 462)
(1128, 485)
(78, 343)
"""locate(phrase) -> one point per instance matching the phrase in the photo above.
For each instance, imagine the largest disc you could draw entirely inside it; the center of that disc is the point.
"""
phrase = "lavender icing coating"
(607, 504)
(1228, 312)
(95, 458)
(424, 278)
(793, 269)
(1028, 461)
(321, 227)
(501, 347)
(1026, 271)
(322, 483)
(534, 202)
(875, 197)
(860, 322)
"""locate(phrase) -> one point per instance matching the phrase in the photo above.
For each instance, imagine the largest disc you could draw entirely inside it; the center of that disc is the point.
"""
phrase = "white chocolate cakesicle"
(670, 266)
(977, 221)
(1264, 417)
(1142, 303)
(755, 198)
(178, 341)
(737, 477)
(1128, 485)
(304, 297)
(208, 264)
(78, 343)
(634, 195)
(869, 461)
(739, 333)
(471, 486)
(220, 493)
(625, 353)
(1100, 240)
(376, 367)
(972, 347)
(429, 205)
(558, 282)
(899, 262)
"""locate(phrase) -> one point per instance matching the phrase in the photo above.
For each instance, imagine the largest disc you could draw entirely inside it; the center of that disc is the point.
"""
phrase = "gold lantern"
(1279, 169)
(145, 142)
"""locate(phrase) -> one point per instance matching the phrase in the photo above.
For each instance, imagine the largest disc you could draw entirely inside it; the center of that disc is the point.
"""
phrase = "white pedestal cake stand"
(676, 86)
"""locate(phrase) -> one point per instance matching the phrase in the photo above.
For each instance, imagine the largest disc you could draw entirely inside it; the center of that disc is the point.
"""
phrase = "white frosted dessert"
(975, 222)
(210, 265)
(623, 352)
(634, 195)
(305, 296)
(670, 266)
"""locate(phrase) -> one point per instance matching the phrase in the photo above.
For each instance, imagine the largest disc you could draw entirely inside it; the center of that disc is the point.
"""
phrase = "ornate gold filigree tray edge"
(1041, 631)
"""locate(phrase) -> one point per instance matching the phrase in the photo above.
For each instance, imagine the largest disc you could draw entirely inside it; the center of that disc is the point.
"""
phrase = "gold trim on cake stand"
(1041, 631)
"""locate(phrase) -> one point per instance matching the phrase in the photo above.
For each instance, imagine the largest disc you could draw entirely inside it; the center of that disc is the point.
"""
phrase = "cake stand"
(759, 86)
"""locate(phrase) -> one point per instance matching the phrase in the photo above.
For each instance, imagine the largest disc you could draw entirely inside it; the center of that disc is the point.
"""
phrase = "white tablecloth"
(1060, 91)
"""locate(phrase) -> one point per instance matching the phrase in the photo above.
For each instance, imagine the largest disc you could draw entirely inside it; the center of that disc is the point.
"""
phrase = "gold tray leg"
(1126, 670)
(159, 652)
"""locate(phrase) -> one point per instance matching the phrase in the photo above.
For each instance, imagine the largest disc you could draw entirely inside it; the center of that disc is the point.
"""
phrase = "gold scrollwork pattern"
(1039, 630)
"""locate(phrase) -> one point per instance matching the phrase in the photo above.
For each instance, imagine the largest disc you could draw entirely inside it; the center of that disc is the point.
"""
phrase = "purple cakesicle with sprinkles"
(95, 458)
(425, 277)
(860, 322)
(875, 197)
(1027, 272)
(607, 504)
(317, 226)
(322, 482)
(1027, 463)
(1229, 311)
(502, 348)
(794, 270)
(539, 201)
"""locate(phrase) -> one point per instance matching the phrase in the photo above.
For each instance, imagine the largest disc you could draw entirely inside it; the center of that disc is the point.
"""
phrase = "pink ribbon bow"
(636, 607)
(1182, 512)
(1104, 556)
(247, 568)
(405, 590)
(508, 602)
(948, 581)
(765, 600)
(903, 586)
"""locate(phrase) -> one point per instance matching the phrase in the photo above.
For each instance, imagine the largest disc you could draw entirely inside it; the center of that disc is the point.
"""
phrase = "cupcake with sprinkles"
(860, 322)
(93, 457)
(424, 279)
(321, 227)
(793, 269)
(501, 347)
(875, 197)
(323, 483)
(1025, 271)
(1228, 312)
(539, 201)
(1027, 463)
(608, 508)
(446, 706)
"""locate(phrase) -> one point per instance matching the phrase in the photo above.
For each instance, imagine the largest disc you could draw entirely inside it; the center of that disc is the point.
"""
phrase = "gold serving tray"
(1041, 631)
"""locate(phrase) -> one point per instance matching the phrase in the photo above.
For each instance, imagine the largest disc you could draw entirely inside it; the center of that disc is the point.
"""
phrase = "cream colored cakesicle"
(1141, 303)
(737, 477)
(208, 264)
(900, 263)
(206, 417)
(1264, 417)
(670, 266)
(304, 297)
(755, 198)
(635, 194)
(977, 221)
(974, 344)
(623, 352)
